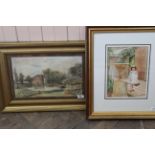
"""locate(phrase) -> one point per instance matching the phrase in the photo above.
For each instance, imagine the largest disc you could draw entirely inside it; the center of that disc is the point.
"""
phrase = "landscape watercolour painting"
(127, 71)
(53, 76)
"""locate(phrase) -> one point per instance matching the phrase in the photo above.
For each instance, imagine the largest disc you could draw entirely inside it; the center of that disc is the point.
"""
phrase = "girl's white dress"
(133, 77)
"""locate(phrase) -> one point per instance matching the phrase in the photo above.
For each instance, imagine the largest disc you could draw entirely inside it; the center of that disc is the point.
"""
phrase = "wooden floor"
(66, 120)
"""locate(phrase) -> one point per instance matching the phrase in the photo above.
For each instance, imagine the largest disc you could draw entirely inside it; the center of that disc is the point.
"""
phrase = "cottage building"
(38, 81)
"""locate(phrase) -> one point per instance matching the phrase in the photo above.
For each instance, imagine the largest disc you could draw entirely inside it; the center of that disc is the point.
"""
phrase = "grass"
(52, 94)
(24, 92)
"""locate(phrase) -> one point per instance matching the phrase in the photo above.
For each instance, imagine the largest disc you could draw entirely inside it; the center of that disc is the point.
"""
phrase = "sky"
(35, 65)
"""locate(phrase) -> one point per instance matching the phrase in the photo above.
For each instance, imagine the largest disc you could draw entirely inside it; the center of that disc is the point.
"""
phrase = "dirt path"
(141, 89)
(120, 89)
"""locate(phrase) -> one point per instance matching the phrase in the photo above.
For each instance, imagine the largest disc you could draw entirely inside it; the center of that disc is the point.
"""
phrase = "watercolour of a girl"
(133, 78)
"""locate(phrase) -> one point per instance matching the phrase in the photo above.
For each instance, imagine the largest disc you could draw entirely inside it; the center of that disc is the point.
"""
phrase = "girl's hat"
(133, 67)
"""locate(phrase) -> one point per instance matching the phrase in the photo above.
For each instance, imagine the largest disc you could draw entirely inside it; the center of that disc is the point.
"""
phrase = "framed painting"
(42, 76)
(121, 72)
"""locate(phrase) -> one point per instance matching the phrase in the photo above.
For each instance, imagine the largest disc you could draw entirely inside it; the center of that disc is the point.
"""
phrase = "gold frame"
(90, 56)
(7, 104)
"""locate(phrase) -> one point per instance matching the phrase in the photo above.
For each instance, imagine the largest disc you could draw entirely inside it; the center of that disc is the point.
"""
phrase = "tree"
(110, 51)
(21, 78)
(16, 76)
(46, 73)
(28, 78)
(130, 54)
(76, 70)
(53, 77)
(56, 77)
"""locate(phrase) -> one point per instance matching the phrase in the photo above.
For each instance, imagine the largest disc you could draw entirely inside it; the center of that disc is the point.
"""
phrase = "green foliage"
(110, 84)
(16, 75)
(54, 77)
(110, 53)
(47, 74)
(21, 78)
(76, 70)
(28, 78)
(24, 92)
(110, 50)
(128, 53)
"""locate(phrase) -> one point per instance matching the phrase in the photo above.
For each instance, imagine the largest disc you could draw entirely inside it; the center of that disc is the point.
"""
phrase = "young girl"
(133, 78)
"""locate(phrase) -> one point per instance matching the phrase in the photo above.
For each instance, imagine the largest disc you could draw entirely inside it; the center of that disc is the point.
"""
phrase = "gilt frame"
(91, 114)
(7, 104)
